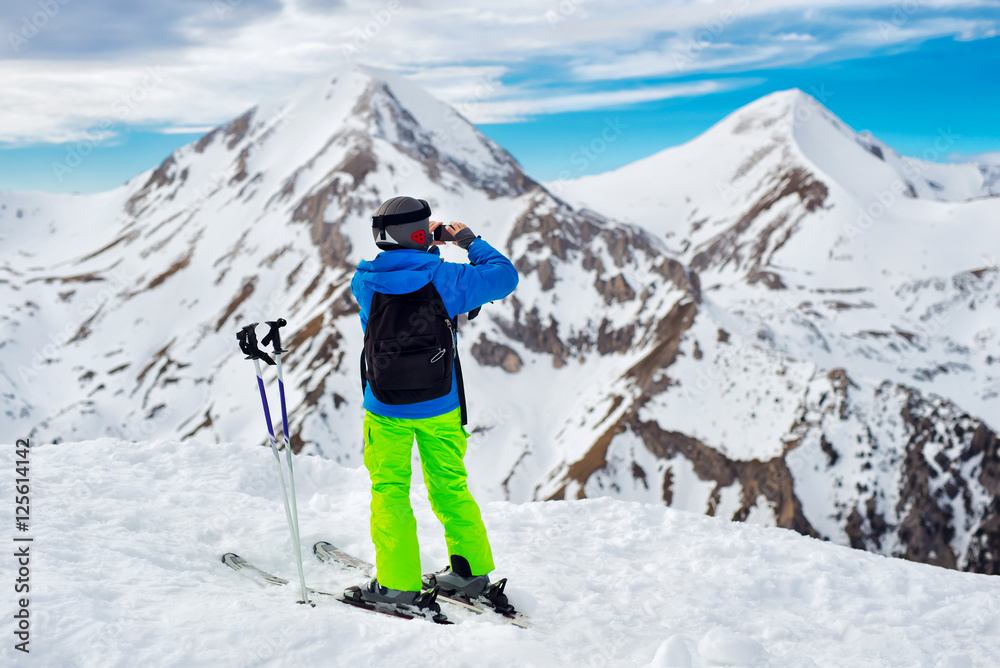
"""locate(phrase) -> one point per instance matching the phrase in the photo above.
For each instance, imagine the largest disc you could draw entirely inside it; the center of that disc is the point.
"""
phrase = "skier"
(410, 299)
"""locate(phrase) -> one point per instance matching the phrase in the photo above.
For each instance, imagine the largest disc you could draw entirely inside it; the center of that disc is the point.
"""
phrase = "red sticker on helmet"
(419, 237)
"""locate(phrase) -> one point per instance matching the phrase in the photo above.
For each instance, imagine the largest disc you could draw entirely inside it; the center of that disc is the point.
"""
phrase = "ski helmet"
(402, 222)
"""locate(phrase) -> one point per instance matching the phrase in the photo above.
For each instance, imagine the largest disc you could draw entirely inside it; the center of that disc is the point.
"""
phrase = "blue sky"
(904, 99)
(127, 82)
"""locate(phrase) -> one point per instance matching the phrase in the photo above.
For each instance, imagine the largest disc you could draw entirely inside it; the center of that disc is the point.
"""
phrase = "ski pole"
(248, 344)
(274, 338)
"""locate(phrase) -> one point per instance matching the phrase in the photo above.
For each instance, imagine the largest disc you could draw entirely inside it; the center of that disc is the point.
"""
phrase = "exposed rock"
(730, 246)
(162, 176)
(241, 166)
(669, 332)
(528, 329)
(241, 296)
(547, 275)
(768, 278)
(984, 550)
(865, 532)
(204, 424)
(84, 329)
(179, 263)
(334, 246)
(985, 442)
(869, 146)
(237, 129)
(614, 340)
(358, 163)
(206, 140)
(490, 353)
(558, 235)
(680, 277)
(615, 290)
(127, 238)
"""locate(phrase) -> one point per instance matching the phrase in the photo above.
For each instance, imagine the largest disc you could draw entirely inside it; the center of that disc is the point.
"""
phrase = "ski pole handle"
(247, 338)
(274, 336)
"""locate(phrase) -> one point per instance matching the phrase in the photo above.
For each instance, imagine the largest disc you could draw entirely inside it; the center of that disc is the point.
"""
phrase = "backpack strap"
(459, 381)
(364, 375)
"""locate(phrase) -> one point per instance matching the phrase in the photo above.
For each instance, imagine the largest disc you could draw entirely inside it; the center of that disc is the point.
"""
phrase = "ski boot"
(374, 596)
(457, 581)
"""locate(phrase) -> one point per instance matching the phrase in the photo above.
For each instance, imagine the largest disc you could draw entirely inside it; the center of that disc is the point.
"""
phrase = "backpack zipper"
(454, 339)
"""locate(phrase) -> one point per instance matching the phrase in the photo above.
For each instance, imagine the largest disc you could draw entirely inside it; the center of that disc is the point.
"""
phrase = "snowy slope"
(126, 572)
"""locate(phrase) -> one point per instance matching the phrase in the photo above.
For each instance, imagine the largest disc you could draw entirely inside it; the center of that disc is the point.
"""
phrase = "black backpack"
(410, 349)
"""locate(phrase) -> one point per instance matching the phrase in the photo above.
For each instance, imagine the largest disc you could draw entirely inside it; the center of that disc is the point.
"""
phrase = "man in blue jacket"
(408, 406)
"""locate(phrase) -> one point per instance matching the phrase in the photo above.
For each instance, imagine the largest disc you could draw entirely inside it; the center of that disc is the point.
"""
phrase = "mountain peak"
(350, 121)
(775, 114)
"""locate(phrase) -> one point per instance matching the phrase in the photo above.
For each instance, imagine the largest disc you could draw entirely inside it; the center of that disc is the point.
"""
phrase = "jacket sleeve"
(464, 287)
(356, 289)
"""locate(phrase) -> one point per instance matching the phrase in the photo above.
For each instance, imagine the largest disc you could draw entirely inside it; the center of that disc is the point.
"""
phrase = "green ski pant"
(441, 442)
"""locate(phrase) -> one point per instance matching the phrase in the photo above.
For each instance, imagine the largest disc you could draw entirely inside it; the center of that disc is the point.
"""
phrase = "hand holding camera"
(457, 233)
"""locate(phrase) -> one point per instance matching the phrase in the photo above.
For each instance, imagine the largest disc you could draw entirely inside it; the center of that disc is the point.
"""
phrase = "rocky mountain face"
(724, 335)
(837, 376)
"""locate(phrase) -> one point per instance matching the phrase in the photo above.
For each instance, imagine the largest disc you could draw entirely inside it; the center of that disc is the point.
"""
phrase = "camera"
(443, 233)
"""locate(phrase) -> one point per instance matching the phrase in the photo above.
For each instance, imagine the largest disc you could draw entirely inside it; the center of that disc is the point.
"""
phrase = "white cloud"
(550, 55)
(677, 59)
(187, 130)
(914, 30)
(509, 110)
(794, 37)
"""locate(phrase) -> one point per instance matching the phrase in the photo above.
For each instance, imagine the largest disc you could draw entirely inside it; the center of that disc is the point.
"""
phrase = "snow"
(126, 571)
(92, 347)
(734, 398)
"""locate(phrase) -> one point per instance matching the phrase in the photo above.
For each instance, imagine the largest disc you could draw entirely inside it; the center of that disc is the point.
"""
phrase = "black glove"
(465, 237)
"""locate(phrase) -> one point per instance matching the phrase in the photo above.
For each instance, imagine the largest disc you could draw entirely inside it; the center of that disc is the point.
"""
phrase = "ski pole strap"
(274, 336)
(247, 338)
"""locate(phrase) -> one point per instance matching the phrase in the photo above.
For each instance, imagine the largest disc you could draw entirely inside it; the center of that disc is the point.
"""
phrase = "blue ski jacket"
(462, 287)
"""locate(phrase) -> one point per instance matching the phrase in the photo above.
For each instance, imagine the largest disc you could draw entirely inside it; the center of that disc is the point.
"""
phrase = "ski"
(264, 579)
(331, 554)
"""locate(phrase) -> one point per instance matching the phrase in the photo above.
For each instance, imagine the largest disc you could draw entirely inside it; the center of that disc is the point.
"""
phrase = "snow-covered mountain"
(726, 342)
(845, 338)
